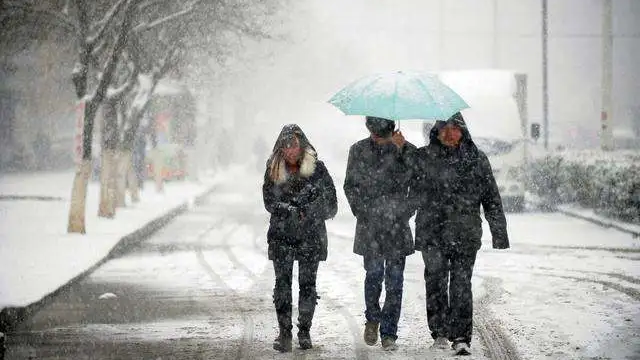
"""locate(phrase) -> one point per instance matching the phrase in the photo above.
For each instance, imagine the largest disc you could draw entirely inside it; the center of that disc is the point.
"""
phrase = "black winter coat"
(311, 193)
(448, 188)
(377, 185)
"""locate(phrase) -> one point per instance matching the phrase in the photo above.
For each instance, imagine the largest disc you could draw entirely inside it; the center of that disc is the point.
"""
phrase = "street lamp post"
(606, 136)
(545, 86)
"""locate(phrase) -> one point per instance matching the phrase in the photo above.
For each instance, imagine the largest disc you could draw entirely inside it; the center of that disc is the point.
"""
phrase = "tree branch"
(106, 21)
(145, 26)
(118, 47)
(106, 77)
(150, 3)
(81, 70)
(166, 62)
(117, 94)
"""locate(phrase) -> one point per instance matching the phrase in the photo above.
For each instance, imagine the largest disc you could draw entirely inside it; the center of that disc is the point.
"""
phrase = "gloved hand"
(295, 212)
(284, 208)
(308, 193)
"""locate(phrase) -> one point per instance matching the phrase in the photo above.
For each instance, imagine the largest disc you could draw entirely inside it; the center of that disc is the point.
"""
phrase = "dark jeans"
(307, 273)
(392, 272)
(449, 297)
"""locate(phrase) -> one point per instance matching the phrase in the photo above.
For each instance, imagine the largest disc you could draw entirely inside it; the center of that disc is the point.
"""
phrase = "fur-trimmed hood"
(277, 167)
(307, 166)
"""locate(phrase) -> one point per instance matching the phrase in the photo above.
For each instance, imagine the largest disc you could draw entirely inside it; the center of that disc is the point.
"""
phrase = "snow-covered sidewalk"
(592, 216)
(37, 256)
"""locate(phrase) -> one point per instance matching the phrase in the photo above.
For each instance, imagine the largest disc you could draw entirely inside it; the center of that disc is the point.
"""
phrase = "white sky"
(335, 42)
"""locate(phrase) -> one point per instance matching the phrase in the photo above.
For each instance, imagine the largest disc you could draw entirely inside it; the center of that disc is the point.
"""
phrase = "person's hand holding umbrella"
(398, 139)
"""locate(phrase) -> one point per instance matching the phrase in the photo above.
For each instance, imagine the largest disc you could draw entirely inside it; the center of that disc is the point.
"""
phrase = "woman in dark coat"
(452, 181)
(300, 195)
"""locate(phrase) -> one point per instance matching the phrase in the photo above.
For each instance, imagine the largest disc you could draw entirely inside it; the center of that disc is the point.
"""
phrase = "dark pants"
(307, 273)
(449, 297)
(392, 272)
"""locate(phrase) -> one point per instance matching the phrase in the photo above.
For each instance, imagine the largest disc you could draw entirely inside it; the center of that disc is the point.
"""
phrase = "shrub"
(607, 182)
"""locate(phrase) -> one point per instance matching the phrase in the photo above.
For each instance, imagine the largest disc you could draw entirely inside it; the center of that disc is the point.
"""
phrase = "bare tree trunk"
(107, 207)
(132, 178)
(131, 129)
(124, 170)
(78, 198)
(109, 168)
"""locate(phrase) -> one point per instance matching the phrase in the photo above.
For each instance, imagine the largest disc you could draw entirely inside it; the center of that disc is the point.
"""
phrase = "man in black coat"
(376, 186)
(452, 179)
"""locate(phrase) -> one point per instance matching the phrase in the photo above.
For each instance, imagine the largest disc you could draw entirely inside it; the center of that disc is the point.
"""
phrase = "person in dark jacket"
(452, 180)
(300, 195)
(376, 186)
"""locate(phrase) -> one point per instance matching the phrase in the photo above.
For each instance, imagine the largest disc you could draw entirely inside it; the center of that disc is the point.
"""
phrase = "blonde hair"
(276, 166)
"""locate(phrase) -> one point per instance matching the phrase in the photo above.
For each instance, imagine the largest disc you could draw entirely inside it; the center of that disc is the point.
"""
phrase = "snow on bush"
(608, 182)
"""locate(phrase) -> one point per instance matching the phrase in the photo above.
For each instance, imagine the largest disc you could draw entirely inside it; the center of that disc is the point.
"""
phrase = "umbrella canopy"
(399, 96)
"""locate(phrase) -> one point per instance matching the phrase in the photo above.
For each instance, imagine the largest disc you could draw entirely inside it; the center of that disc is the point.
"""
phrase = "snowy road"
(201, 289)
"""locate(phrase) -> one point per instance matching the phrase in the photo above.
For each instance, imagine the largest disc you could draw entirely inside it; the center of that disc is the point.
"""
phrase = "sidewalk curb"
(603, 223)
(10, 317)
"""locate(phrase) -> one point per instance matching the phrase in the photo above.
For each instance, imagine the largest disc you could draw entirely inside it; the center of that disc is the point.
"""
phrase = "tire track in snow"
(528, 248)
(629, 291)
(361, 351)
(627, 278)
(247, 320)
(497, 343)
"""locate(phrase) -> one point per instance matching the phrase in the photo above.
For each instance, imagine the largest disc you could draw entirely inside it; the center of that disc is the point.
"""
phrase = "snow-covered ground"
(567, 289)
(37, 256)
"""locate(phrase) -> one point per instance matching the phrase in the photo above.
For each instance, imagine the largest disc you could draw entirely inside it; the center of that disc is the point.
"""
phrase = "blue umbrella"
(399, 96)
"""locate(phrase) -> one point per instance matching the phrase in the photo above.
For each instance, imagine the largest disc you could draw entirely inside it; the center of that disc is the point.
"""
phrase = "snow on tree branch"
(151, 3)
(145, 86)
(118, 47)
(118, 93)
(167, 19)
(106, 21)
(131, 69)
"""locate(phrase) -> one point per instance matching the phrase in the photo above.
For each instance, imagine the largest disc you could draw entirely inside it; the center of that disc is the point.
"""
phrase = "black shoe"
(304, 338)
(371, 332)
(283, 342)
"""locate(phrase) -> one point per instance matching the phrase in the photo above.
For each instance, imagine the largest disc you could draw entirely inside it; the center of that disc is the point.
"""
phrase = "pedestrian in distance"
(451, 181)
(300, 195)
(376, 186)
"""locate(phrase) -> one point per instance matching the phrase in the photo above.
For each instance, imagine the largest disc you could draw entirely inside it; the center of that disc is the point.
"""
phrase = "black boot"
(283, 342)
(306, 308)
(304, 338)
(282, 302)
